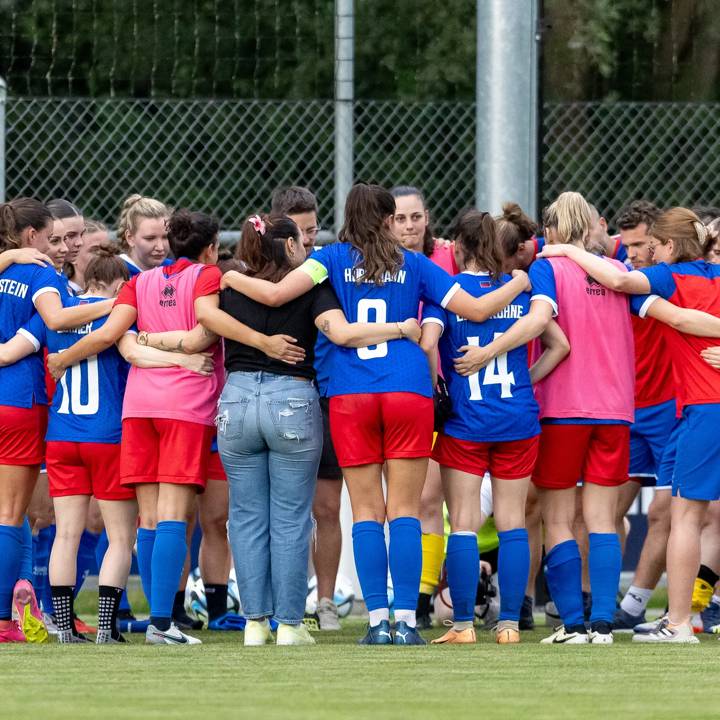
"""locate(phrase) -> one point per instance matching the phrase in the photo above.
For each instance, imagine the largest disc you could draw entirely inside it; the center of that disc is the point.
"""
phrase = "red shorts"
(85, 469)
(23, 434)
(598, 454)
(215, 469)
(509, 460)
(373, 427)
(157, 450)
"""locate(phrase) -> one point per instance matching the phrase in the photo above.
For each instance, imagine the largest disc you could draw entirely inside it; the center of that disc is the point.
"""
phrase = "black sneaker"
(527, 621)
(184, 622)
(424, 622)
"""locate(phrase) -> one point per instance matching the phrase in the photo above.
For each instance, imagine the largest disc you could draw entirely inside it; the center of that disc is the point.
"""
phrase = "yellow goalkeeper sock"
(433, 552)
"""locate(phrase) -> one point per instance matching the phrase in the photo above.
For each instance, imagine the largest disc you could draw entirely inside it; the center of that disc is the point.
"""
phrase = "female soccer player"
(679, 239)
(411, 224)
(143, 234)
(168, 414)
(494, 426)
(381, 406)
(95, 234)
(74, 227)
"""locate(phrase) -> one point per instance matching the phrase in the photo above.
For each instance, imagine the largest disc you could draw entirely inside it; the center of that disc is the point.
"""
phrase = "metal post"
(3, 100)
(344, 91)
(506, 144)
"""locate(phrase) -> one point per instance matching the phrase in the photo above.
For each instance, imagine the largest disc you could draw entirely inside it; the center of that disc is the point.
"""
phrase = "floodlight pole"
(507, 112)
(3, 100)
(344, 98)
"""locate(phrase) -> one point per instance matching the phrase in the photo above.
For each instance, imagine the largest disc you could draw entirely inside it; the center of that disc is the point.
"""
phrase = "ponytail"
(690, 237)
(571, 216)
(18, 215)
(262, 246)
(476, 235)
(514, 228)
(105, 267)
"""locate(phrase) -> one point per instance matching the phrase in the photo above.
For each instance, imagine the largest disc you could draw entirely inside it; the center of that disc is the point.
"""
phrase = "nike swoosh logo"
(182, 640)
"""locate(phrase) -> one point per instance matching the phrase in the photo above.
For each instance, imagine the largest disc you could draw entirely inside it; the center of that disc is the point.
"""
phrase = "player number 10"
(71, 401)
(495, 373)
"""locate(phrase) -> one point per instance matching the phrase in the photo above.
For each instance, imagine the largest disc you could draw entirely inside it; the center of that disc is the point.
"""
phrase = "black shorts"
(329, 468)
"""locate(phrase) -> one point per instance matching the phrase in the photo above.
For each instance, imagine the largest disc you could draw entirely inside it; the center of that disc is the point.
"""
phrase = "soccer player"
(600, 241)
(74, 227)
(678, 239)
(381, 408)
(142, 233)
(96, 233)
(494, 426)
(411, 224)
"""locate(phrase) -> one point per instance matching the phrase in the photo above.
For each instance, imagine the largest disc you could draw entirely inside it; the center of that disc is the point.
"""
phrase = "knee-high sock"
(145, 544)
(433, 549)
(463, 574)
(85, 558)
(26, 565)
(371, 562)
(100, 550)
(11, 551)
(605, 563)
(563, 572)
(405, 560)
(168, 558)
(42, 545)
(513, 570)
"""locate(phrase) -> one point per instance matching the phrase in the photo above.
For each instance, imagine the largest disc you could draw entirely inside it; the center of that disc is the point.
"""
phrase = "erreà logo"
(168, 291)
(591, 280)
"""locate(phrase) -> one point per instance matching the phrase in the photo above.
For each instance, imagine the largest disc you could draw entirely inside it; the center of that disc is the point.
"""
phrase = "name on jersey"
(509, 312)
(13, 287)
(355, 275)
(82, 330)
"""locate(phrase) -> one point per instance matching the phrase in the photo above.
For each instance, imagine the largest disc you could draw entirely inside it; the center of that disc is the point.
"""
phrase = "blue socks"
(605, 563)
(371, 562)
(11, 552)
(405, 559)
(145, 544)
(42, 544)
(85, 558)
(563, 572)
(513, 570)
(463, 573)
(168, 559)
(26, 565)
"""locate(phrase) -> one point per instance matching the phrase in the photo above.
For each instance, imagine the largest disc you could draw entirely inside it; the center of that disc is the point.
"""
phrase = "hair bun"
(105, 250)
(131, 200)
(701, 231)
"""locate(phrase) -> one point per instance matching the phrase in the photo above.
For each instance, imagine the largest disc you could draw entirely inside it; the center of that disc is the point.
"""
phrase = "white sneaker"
(327, 613)
(294, 635)
(598, 638)
(648, 627)
(663, 633)
(257, 632)
(172, 636)
(50, 624)
(560, 637)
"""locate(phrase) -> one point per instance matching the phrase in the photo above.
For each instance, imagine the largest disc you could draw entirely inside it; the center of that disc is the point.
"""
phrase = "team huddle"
(531, 379)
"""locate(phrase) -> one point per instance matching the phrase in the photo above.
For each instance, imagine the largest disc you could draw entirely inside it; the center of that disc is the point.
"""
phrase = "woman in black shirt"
(270, 431)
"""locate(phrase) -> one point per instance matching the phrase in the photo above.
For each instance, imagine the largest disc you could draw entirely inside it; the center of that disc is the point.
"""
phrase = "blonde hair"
(684, 228)
(136, 208)
(571, 216)
(93, 226)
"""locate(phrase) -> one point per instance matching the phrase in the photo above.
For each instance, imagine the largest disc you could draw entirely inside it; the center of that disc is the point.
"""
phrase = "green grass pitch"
(338, 679)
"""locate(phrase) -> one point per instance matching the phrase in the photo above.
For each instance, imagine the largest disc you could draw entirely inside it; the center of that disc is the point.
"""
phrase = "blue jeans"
(270, 440)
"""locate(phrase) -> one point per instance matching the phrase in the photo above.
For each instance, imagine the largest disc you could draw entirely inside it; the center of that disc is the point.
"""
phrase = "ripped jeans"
(270, 439)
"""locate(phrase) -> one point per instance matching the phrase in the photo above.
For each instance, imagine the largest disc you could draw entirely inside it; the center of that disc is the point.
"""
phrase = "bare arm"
(23, 256)
(556, 349)
(431, 332)
(120, 320)
(607, 274)
(334, 325)
(685, 320)
(482, 308)
(294, 284)
(150, 357)
(16, 348)
(523, 331)
(279, 347)
(180, 341)
(57, 317)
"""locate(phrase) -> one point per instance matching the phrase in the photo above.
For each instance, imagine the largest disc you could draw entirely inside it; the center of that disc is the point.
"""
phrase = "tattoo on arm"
(325, 326)
(180, 345)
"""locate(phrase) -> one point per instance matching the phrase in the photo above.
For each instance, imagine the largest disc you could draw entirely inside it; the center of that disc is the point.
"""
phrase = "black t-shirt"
(296, 318)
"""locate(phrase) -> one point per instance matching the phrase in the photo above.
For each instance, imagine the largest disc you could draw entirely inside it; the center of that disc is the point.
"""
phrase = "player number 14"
(494, 373)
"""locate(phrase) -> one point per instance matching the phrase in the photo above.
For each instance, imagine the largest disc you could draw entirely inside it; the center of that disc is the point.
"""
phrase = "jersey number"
(380, 309)
(72, 402)
(495, 373)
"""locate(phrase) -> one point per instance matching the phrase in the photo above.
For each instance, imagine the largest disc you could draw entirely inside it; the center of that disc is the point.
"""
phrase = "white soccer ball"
(233, 599)
(344, 596)
(196, 602)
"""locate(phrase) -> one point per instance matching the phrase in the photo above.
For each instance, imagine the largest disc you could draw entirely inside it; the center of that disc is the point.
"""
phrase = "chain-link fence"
(228, 156)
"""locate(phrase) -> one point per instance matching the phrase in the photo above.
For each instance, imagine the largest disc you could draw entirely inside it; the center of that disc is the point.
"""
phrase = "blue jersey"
(87, 405)
(23, 383)
(397, 366)
(65, 288)
(497, 403)
(134, 270)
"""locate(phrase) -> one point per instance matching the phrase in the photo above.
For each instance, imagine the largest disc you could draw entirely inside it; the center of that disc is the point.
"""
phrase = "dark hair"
(105, 266)
(636, 213)
(706, 213)
(367, 209)
(292, 200)
(18, 215)
(513, 228)
(189, 233)
(62, 209)
(262, 249)
(477, 236)
(410, 191)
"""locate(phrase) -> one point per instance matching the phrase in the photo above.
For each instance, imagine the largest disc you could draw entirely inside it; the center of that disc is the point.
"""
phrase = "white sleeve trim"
(29, 337)
(548, 300)
(649, 300)
(44, 290)
(449, 295)
(433, 320)
(130, 331)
